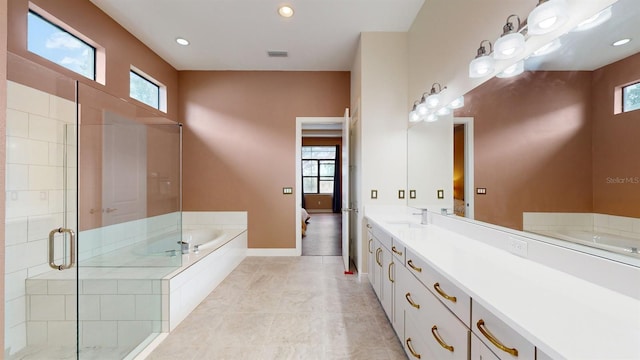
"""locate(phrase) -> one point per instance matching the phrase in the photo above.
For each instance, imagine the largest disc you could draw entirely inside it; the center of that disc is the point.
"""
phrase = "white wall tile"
(15, 338)
(44, 178)
(17, 123)
(61, 333)
(133, 332)
(24, 98)
(89, 307)
(14, 284)
(62, 287)
(132, 287)
(100, 333)
(17, 177)
(117, 307)
(45, 129)
(71, 307)
(40, 226)
(99, 287)
(15, 311)
(47, 307)
(36, 286)
(62, 109)
(621, 223)
(15, 231)
(148, 307)
(37, 332)
(26, 151)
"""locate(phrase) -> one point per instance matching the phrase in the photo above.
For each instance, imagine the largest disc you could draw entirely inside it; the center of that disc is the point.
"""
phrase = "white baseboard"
(272, 252)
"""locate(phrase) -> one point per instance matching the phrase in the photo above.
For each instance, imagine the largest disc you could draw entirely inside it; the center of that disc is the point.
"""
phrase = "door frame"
(469, 182)
(298, 183)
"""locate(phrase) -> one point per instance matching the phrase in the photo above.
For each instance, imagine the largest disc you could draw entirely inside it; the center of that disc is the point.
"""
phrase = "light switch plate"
(400, 194)
(287, 190)
(440, 194)
(412, 194)
(374, 194)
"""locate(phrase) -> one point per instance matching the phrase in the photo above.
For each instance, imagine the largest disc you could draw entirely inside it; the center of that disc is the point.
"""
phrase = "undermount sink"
(405, 223)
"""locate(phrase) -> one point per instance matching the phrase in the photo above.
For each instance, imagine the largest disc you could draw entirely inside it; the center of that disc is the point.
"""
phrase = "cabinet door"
(387, 282)
(377, 269)
(402, 277)
(371, 248)
(480, 351)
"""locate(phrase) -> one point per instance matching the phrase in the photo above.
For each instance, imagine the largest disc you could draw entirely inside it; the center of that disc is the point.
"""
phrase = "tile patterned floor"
(286, 308)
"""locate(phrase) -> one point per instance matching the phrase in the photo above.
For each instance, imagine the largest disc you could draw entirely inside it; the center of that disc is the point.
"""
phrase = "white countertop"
(565, 316)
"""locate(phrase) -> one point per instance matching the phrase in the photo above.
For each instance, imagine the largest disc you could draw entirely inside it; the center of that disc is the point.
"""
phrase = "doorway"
(463, 169)
(319, 177)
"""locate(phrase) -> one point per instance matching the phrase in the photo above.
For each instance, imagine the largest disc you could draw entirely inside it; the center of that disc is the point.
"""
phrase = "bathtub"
(612, 242)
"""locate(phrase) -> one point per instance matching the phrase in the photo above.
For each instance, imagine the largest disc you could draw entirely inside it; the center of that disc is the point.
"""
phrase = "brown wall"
(319, 201)
(121, 49)
(532, 145)
(616, 146)
(239, 142)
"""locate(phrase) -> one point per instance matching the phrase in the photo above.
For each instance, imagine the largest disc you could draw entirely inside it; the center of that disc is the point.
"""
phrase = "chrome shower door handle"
(72, 252)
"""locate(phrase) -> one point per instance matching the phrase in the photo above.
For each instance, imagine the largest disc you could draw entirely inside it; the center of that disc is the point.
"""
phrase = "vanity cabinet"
(381, 265)
(499, 337)
(432, 331)
(480, 351)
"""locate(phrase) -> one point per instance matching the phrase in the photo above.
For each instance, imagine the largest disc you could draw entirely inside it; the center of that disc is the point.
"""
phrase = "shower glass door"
(41, 274)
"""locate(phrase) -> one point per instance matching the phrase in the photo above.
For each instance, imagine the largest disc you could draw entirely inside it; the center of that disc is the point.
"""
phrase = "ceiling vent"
(279, 54)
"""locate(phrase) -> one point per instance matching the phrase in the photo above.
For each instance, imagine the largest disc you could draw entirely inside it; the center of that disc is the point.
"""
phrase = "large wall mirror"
(556, 148)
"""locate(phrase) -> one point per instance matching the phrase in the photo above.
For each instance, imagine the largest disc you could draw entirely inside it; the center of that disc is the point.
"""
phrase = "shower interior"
(90, 181)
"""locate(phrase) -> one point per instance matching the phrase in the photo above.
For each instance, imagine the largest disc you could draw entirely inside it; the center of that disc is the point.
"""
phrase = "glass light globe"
(547, 17)
(481, 66)
(508, 46)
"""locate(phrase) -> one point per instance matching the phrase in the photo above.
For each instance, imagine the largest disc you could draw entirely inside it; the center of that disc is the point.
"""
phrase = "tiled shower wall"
(37, 124)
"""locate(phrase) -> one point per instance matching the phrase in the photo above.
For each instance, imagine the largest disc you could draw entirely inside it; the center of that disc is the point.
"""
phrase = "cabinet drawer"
(480, 351)
(498, 336)
(413, 342)
(398, 251)
(450, 295)
(412, 297)
(446, 336)
(384, 238)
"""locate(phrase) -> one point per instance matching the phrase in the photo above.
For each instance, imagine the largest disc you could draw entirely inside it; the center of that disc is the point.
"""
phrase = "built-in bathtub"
(151, 271)
(612, 242)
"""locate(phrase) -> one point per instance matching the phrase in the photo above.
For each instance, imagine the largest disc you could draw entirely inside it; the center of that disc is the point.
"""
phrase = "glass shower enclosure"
(93, 220)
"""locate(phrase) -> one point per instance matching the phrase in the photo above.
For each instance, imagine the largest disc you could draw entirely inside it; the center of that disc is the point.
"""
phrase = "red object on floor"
(348, 272)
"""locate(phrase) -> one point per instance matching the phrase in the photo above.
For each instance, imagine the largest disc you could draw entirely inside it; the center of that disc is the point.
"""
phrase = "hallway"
(324, 235)
(286, 308)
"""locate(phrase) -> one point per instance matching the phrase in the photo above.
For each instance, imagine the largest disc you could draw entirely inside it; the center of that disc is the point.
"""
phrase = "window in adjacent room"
(58, 45)
(318, 169)
(631, 97)
(144, 90)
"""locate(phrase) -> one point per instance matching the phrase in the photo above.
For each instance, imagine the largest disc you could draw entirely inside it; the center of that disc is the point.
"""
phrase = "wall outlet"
(400, 194)
(518, 247)
(287, 190)
(374, 194)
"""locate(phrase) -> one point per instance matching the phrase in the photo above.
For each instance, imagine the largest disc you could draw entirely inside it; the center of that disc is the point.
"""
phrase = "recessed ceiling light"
(621, 42)
(285, 11)
(182, 41)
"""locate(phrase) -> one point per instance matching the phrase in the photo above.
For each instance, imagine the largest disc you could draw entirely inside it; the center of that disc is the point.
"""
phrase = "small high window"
(59, 46)
(631, 97)
(144, 90)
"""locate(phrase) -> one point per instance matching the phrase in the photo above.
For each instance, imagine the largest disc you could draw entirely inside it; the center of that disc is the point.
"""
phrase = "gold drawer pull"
(378, 251)
(389, 272)
(436, 335)
(393, 248)
(413, 352)
(444, 294)
(410, 300)
(410, 263)
(370, 247)
(494, 341)
(369, 226)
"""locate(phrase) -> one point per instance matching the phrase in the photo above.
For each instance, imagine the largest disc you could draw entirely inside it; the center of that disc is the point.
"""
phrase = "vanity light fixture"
(621, 42)
(434, 96)
(594, 21)
(431, 117)
(422, 108)
(548, 48)
(548, 15)
(443, 111)
(182, 41)
(413, 114)
(285, 11)
(513, 70)
(482, 65)
(511, 43)
(457, 103)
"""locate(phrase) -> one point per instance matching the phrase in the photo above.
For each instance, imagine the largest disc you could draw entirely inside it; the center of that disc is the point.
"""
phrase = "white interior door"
(124, 182)
(346, 210)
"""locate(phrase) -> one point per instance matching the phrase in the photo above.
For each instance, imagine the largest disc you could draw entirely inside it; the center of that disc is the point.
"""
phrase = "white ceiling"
(236, 34)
